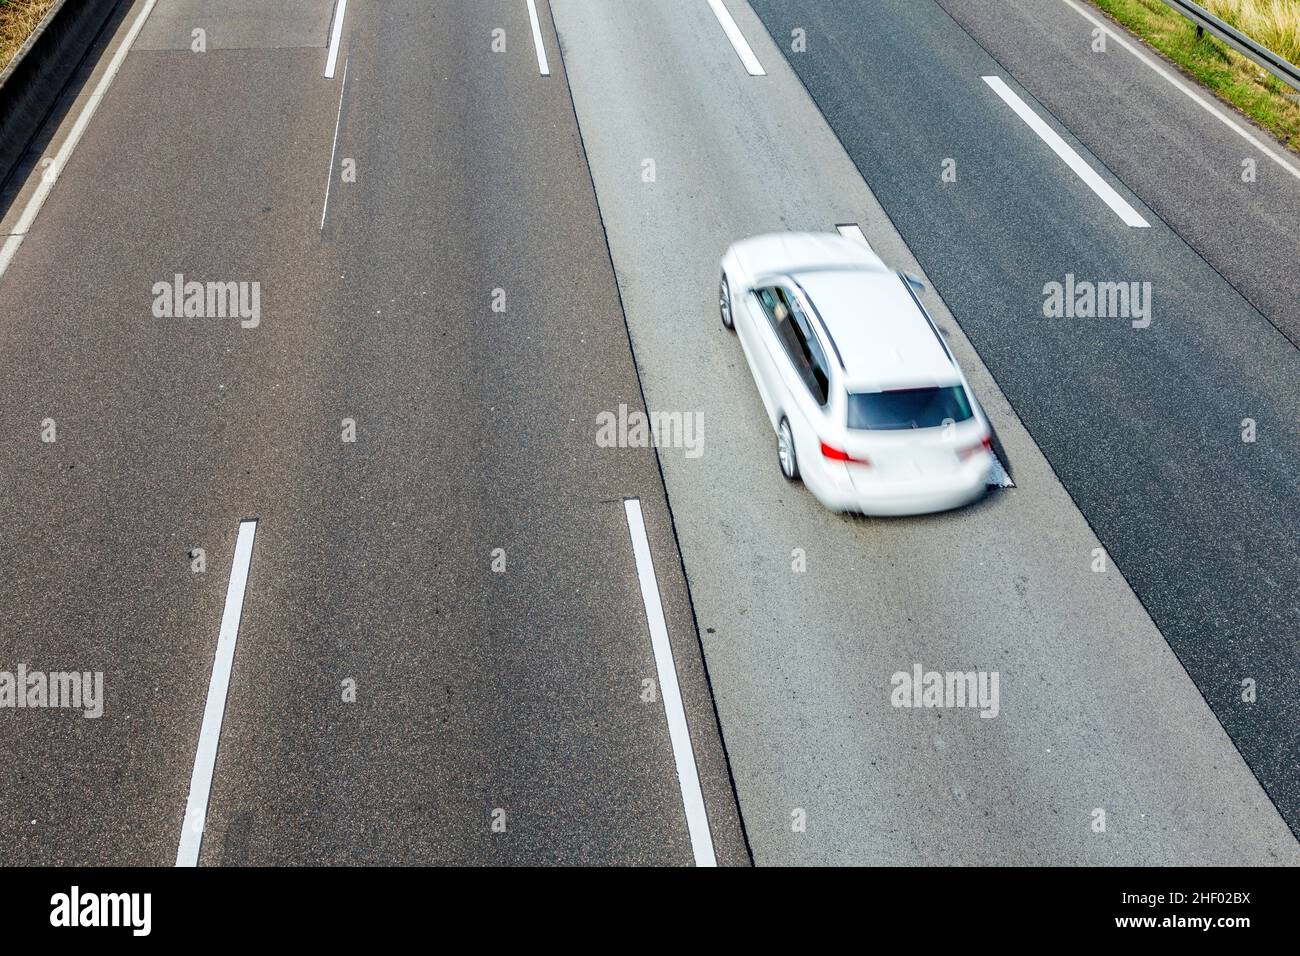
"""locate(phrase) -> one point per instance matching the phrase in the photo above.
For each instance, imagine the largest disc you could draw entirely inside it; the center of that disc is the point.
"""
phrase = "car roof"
(883, 338)
(782, 253)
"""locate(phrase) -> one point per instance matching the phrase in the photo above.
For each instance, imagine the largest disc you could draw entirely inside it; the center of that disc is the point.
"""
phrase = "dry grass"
(1274, 23)
(18, 18)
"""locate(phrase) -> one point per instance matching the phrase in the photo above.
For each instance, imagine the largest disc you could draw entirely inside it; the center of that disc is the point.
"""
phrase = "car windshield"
(909, 407)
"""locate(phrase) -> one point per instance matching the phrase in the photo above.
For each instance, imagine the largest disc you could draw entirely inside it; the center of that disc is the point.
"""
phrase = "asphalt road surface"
(1143, 426)
(474, 235)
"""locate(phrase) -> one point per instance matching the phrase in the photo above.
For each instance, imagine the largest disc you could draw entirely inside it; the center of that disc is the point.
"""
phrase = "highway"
(1144, 430)
(476, 227)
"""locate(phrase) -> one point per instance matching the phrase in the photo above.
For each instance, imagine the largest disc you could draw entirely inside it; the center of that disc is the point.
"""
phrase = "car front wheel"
(785, 451)
(724, 303)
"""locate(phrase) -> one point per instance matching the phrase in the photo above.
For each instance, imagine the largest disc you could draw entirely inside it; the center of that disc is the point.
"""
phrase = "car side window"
(796, 336)
(817, 377)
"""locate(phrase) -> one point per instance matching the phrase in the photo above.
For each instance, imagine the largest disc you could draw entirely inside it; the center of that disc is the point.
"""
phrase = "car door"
(799, 375)
(805, 374)
(760, 342)
(746, 316)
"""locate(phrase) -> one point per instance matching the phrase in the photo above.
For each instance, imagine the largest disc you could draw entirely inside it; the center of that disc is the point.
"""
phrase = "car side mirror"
(914, 281)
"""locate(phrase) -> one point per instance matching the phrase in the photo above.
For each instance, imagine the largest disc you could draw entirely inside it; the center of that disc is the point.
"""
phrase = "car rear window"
(909, 407)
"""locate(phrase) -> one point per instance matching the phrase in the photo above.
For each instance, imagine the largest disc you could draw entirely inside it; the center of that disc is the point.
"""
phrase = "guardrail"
(1284, 70)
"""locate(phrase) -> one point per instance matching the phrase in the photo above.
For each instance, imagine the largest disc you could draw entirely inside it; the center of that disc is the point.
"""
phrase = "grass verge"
(1229, 75)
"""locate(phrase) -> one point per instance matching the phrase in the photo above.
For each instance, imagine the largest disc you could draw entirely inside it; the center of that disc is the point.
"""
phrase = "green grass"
(18, 18)
(1232, 77)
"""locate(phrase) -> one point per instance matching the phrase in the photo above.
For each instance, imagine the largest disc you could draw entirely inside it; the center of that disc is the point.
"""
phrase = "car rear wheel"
(785, 451)
(724, 302)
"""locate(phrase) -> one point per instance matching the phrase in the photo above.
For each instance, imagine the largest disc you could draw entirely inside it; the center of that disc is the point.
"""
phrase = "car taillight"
(835, 454)
(984, 444)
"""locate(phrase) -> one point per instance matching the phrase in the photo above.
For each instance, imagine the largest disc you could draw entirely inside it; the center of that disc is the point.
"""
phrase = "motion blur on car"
(870, 409)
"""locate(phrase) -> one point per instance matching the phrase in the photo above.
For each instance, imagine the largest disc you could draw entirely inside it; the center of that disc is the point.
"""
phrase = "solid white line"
(1206, 104)
(1072, 159)
(50, 174)
(752, 66)
(542, 65)
(336, 34)
(697, 818)
(853, 231)
(12, 242)
(334, 149)
(205, 758)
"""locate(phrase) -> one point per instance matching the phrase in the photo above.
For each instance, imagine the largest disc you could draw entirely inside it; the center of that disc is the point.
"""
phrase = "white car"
(869, 406)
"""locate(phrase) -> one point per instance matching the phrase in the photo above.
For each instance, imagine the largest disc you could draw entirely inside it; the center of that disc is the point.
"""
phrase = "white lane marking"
(1072, 159)
(205, 758)
(50, 174)
(852, 230)
(1206, 104)
(697, 818)
(336, 35)
(738, 41)
(329, 181)
(11, 244)
(542, 65)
